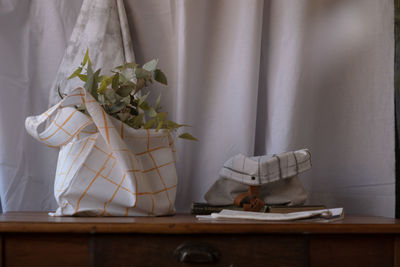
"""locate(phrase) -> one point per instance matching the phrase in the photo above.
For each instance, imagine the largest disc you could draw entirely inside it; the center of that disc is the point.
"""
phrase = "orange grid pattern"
(151, 184)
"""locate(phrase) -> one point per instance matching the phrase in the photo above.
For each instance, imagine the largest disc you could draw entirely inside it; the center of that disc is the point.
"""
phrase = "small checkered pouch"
(106, 168)
(277, 176)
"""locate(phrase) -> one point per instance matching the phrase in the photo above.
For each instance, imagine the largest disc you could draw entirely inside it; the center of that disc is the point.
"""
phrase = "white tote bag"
(106, 168)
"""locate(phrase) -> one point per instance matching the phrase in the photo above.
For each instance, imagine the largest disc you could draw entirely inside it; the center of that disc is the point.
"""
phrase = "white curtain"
(252, 77)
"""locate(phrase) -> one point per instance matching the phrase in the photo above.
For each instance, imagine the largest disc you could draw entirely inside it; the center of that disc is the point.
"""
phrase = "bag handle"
(68, 122)
(64, 126)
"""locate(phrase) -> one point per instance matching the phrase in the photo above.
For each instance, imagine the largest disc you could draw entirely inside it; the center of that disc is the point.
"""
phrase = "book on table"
(324, 215)
(198, 208)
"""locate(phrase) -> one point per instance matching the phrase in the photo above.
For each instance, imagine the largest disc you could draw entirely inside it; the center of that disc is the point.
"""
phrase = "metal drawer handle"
(195, 252)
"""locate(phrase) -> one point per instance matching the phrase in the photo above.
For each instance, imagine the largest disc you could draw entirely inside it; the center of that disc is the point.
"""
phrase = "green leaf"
(86, 58)
(89, 80)
(93, 89)
(188, 136)
(124, 90)
(123, 78)
(158, 102)
(160, 124)
(75, 73)
(138, 121)
(140, 84)
(123, 116)
(116, 94)
(104, 83)
(101, 99)
(162, 116)
(110, 95)
(142, 74)
(130, 65)
(129, 74)
(151, 112)
(118, 97)
(126, 100)
(143, 98)
(144, 106)
(160, 77)
(82, 77)
(115, 81)
(149, 124)
(151, 65)
(117, 107)
(102, 89)
(173, 125)
(97, 74)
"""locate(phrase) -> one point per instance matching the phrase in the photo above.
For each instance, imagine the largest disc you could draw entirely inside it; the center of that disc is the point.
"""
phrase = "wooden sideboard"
(35, 239)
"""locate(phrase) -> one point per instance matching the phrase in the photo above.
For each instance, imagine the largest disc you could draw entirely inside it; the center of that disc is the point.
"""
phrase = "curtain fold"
(101, 29)
(251, 77)
(33, 38)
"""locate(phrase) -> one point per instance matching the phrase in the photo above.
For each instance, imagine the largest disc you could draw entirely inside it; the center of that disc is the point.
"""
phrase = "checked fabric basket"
(106, 168)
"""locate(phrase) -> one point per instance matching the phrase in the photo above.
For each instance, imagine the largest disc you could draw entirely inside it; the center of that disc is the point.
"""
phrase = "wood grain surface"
(36, 239)
(187, 224)
(46, 250)
(235, 250)
(352, 250)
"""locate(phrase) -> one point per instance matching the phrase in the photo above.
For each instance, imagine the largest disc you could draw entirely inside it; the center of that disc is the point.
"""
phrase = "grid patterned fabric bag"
(276, 175)
(106, 168)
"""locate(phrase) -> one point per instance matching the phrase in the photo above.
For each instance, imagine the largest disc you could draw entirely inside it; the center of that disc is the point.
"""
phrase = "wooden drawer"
(45, 250)
(128, 249)
(352, 250)
(234, 250)
(149, 250)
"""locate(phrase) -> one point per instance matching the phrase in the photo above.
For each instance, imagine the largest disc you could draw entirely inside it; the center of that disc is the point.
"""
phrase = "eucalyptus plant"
(122, 94)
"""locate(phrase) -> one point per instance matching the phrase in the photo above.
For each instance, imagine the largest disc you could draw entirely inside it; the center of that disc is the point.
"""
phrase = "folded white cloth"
(235, 214)
(266, 169)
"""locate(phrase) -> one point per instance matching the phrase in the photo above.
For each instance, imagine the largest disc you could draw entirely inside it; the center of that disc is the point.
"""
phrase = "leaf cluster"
(124, 94)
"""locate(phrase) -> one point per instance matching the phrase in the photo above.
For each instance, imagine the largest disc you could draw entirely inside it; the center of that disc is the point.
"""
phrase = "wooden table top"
(39, 222)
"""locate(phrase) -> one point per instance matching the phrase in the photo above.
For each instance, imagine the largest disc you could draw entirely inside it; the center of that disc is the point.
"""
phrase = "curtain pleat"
(251, 77)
